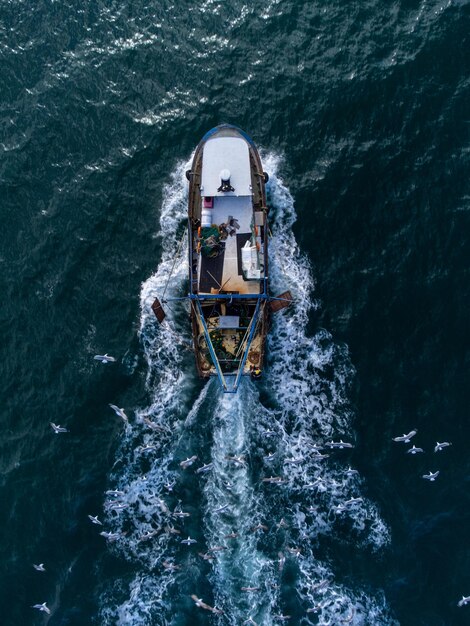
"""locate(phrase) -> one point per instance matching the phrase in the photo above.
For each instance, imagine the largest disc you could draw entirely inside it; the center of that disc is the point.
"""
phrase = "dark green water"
(361, 113)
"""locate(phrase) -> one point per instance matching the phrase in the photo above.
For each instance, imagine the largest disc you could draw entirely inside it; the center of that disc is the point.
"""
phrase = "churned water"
(361, 114)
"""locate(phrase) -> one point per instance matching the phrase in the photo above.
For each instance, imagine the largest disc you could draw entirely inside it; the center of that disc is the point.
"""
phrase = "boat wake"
(244, 481)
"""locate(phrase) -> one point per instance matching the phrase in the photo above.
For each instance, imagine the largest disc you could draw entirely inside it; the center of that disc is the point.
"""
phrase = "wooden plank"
(285, 299)
(158, 310)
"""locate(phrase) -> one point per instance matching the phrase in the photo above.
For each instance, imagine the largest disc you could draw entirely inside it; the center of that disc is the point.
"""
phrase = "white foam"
(308, 381)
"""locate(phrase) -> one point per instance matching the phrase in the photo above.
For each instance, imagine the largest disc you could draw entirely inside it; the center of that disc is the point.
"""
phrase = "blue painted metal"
(211, 349)
(248, 343)
(229, 296)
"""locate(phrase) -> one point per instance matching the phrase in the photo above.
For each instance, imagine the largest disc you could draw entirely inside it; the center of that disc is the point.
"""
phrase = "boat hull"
(228, 256)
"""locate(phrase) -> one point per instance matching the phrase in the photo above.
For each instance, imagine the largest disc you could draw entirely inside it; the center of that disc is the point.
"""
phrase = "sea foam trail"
(259, 538)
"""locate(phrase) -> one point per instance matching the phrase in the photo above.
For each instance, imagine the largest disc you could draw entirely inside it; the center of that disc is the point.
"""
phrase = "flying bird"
(119, 412)
(187, 462)
(231, 536)
(352, 501)
(207, 556)
(117, 506)
(350, 471)
(414, 450)
(220, 509)
(42, 607)
(200, 603)
(188, 541)
(273, 479)
(431, 476)
(111, 536)
(40, 567)
(259, 527)
(153, 425)
(104, 358)
(148, 534)
(204, 468)
(57, 428)
(294, 461)
(239, 460)
(441, 446)
(406, 438)
(339, 444)
(465, 600)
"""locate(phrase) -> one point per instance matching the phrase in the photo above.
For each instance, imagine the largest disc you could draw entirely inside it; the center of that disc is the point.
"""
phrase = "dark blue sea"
(361, 113)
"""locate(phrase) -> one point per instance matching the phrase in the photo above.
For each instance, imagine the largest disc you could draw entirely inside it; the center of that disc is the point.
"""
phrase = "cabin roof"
(226, 153)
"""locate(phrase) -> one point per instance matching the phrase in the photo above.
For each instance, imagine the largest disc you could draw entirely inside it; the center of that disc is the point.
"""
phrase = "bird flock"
(115, 503)
(431, 476)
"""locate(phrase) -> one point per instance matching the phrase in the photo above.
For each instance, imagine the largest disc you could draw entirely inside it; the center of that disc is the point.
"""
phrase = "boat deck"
(234, 217)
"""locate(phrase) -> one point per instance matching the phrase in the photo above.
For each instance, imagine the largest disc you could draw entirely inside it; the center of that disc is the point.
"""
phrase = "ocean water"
(361, 114)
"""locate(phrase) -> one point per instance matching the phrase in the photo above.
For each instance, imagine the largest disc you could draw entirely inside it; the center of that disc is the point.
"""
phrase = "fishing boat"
(228, 245)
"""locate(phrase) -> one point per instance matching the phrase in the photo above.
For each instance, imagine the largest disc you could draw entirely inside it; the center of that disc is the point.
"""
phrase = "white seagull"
(352, 501)
(406, 438)
(42, 607)
(465, 600)
(414, 450)
(40, 567)
(239, 460)
(441, 446)
(339, 444)
(204, 468)
(187, 462)
(274, 480)
(104, 358)
(119, 412)
(57, 428)
(94, 520)
(220, 509)
(111, 536)
(199, 602)
(350, 471)
(117, 506)
(188, 541)
(431, 476)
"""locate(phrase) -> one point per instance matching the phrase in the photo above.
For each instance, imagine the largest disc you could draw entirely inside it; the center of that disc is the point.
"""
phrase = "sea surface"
(361, 111)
